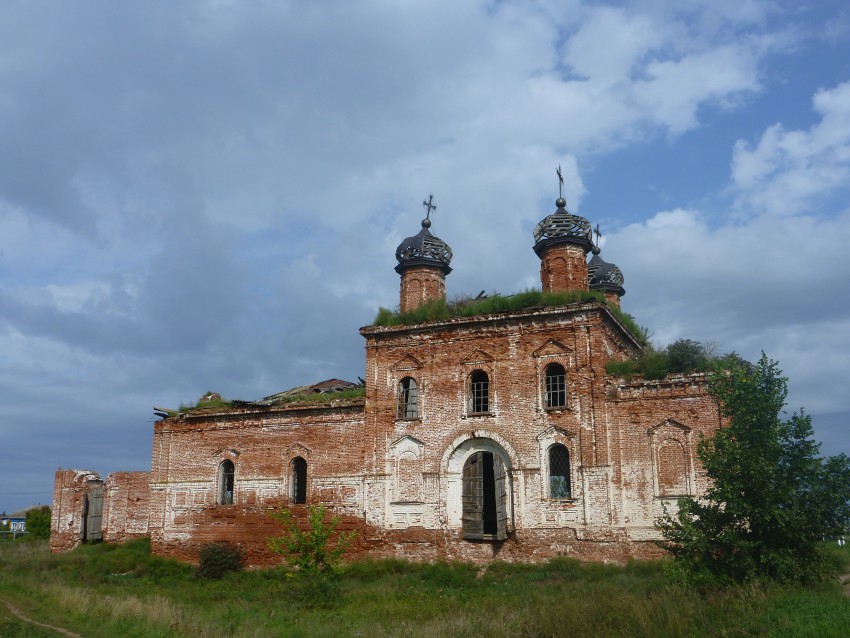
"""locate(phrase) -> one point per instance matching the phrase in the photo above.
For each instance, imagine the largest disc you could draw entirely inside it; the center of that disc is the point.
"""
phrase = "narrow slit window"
(556, 386)
(299, 480)
(479, 392)
(226, 473)
(408, 399)
(559, 472)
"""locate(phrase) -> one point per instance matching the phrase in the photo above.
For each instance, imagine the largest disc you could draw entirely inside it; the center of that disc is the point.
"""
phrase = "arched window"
(298, 491)
(556, 386)
(226, 472)
(408, 399)
(479, 392)
(559, 472)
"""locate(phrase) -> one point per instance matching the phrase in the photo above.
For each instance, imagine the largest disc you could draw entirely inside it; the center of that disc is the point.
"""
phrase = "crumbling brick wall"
(126, 509)
(66, 520)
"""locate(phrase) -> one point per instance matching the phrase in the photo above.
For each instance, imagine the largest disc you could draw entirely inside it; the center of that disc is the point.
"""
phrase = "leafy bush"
(219, 559)
(681, 356)
(310, 550)
(771, 499)
(38, 523)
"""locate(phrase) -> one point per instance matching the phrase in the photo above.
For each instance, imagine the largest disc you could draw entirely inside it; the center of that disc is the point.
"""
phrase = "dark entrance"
(484, 497)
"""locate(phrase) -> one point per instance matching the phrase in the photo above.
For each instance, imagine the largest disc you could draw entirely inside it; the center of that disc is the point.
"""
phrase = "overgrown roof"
(496, 303)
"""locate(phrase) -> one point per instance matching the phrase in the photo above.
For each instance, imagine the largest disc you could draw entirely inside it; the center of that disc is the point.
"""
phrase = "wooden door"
(94, 511)
(473, 497)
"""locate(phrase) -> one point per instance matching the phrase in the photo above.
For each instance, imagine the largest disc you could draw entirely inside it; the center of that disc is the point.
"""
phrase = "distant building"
(477, 436)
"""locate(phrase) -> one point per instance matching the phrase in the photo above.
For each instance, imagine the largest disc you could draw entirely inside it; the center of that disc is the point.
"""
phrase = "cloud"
(789, 171)
(209, 195)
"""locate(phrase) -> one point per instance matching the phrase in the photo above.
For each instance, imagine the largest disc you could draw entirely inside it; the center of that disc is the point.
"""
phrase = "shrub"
(771, 499)
(219, 559)
(310, 550)
(38, 522)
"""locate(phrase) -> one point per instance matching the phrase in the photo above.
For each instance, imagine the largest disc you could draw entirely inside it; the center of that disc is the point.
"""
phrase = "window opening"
(559, 472)
(225, 482)
(479, 392)
(408, 399)
(556, 386)
(299, 480)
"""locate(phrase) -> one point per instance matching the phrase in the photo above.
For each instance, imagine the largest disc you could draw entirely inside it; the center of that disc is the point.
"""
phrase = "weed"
(310, 549)
(216, 560)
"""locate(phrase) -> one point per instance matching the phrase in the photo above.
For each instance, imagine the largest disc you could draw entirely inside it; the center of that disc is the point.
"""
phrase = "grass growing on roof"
(532, 298)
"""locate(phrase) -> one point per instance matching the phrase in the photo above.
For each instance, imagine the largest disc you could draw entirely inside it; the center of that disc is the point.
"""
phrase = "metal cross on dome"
(560, 182)
(429, 205)
(598, 234)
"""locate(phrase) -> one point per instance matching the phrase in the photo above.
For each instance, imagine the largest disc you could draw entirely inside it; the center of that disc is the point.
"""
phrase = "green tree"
(310, 549)
(772, 498)
(38, 522)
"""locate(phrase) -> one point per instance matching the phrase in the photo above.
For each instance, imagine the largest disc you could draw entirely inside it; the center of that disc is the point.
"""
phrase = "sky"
(207, 195)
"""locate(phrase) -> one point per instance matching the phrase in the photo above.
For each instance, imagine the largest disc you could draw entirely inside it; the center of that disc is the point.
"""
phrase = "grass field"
(111, 591)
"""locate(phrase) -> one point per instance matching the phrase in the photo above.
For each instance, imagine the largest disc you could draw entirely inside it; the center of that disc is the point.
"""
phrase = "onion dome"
(562, 227)
(423, 249)
(603, 276)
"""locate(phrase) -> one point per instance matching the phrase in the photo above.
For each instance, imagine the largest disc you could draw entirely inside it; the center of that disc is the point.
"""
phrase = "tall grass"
(121, 590)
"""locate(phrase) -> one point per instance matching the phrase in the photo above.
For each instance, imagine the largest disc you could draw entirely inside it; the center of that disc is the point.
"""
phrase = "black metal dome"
(603, 276)
(423, 249)
(562, 227)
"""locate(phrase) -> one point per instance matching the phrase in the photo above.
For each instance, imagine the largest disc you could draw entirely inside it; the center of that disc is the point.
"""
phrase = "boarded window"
(298, 492)
(226, 473)
(672, 469)
(484, 497)
(559, 472)
(556, 386)
(408, 399)
(479, 392)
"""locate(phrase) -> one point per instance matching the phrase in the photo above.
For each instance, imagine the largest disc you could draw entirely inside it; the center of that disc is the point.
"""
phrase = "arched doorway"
(485, 497)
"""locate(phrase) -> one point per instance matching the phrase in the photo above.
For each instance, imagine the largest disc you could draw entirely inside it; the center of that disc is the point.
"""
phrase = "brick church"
(474, 436)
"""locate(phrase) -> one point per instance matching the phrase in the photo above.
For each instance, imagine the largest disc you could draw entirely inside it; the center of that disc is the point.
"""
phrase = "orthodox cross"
(560, 182)
(598, 235)
(429, 205)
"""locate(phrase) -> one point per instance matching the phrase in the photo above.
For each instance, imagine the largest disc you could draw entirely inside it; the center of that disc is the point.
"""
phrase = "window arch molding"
(553, 361)
(565, 444)
(671, 459)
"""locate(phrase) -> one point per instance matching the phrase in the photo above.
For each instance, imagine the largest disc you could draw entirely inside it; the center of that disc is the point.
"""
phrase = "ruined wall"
(656, 427)
(126, 506)
(186, 505)
(66, 519)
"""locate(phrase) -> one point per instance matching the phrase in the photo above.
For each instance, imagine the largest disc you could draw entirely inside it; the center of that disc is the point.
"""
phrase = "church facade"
(475, 436)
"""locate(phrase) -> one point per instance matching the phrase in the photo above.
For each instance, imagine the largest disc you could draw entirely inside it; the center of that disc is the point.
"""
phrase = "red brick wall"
(564, 268)
(126, 506)
(396, 481)
(66, 519)
(421, 284)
